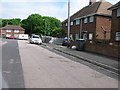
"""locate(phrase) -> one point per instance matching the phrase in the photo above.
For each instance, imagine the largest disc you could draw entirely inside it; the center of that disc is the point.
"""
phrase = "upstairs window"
(66, 24)
(16, 31)
(85, 20)
(118, 12)
(71, 23)
(8, 30)
(91, 19)
(77, 22)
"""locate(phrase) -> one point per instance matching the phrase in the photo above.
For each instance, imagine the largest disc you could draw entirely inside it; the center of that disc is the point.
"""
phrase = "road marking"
(2, 43)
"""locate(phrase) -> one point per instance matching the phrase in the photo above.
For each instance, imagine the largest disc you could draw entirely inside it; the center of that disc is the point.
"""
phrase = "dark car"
(66, 41)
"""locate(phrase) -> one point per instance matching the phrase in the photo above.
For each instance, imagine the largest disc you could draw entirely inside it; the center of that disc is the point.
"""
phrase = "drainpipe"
(81, 29)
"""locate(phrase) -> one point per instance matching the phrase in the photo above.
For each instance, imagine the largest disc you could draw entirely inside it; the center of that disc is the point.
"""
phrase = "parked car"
(11, 37)
(35, 39)
(23, 36)
(66, 41)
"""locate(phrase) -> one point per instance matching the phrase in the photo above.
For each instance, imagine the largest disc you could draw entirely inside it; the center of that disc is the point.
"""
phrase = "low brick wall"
(103, 49)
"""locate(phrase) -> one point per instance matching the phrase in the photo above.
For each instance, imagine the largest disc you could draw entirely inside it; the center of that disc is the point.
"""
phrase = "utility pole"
(68, 19)
(68, 23)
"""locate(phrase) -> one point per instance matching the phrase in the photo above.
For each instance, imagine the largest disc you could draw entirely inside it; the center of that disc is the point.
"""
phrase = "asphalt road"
(11, 65)
(45, 69)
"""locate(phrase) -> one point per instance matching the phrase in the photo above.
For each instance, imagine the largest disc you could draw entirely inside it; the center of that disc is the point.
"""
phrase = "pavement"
(108, 63)
(12, 72)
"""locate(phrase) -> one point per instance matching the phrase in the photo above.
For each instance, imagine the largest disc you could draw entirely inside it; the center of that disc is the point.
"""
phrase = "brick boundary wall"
(108, 50)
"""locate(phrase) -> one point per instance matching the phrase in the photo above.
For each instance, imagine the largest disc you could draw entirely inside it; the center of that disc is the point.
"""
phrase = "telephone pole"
(68, 19)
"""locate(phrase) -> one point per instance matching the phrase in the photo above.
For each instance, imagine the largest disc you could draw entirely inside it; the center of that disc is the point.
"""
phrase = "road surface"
(45, 69)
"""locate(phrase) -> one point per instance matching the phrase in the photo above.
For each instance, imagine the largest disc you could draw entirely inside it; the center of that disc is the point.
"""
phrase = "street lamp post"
(45, 26)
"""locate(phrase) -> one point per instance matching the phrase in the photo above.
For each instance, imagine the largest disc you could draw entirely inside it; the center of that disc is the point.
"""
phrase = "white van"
(23, 36)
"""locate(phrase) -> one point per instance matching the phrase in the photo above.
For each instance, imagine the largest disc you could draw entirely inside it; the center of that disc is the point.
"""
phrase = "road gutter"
(104, 66)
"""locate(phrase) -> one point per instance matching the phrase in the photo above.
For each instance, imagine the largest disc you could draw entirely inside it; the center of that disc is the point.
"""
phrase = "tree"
(15, 21)
(37, 24)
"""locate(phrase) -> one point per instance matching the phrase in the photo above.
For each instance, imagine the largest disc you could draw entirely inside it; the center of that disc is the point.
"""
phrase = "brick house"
(92, 21)
(115, 29)
(11, 30)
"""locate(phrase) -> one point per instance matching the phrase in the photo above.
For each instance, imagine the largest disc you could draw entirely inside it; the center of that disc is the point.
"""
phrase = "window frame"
(118, 10)
(90, 38)
(85, 20)
(66, 24)
(8, 30)
(8, 35)
(117, 36)
(91, 18)
(16, 31)
(71, 23)
(77, 21)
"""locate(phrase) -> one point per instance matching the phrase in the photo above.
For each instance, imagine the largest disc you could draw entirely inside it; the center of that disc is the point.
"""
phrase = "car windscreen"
(36, 37)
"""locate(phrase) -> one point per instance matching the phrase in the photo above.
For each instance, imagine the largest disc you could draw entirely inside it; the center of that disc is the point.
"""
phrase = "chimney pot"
(91, 2)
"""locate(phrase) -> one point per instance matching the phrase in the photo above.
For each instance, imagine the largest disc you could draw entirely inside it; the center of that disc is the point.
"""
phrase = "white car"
(35, 39)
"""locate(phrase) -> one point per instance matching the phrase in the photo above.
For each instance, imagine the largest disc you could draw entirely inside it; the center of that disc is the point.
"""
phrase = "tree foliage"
(15, 21)
(37, 24)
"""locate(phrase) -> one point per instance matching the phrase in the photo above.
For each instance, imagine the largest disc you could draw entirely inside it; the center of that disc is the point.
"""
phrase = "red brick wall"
(115, 25)
(12, 32)
(106, 23)
(103, 49)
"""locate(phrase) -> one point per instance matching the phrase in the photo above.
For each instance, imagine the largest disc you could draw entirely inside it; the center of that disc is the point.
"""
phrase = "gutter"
(99, 14)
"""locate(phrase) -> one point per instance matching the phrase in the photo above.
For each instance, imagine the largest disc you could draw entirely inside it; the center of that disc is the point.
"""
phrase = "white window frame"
(90, 36)
(16, 31)
(71, 23)
(77, 22)
(76, 36)
(16, 35)
(92, 19)
(8, 30)
(8, 35)
(118, 11)
(85, 20)
(117, 36)
(66, 24)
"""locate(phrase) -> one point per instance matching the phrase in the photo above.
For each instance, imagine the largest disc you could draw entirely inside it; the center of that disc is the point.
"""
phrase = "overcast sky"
(10, 9)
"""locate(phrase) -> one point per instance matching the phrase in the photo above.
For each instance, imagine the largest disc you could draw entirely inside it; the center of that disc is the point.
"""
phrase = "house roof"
(13, 27)
(115, 6)
(95, 8)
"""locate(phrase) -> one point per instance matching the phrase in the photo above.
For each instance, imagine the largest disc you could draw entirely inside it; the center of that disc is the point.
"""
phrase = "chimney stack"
(91, 2)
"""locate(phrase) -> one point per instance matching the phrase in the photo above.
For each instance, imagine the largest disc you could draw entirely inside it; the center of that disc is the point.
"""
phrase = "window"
(117, 36)
(90, 36)
(8, 30)
(85, 20)
(71, 23)
(8, 35)
(77, 22)
(118, 12)
(15, 35)
(66, 24)
(77, 36)
(91, 19)
(16, 31)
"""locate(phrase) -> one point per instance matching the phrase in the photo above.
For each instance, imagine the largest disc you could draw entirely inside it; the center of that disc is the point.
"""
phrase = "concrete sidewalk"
(105, 62)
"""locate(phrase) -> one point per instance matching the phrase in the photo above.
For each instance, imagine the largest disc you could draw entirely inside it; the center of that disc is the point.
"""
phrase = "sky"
(10, 9)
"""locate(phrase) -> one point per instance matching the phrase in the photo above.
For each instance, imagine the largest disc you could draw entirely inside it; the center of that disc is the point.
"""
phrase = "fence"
(48, 39)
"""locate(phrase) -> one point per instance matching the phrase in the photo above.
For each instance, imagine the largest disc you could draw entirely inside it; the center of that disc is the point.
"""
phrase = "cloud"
(54, 8)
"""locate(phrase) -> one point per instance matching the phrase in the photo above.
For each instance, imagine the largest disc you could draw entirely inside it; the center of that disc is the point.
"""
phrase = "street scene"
(33, 66)
(68, 44)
